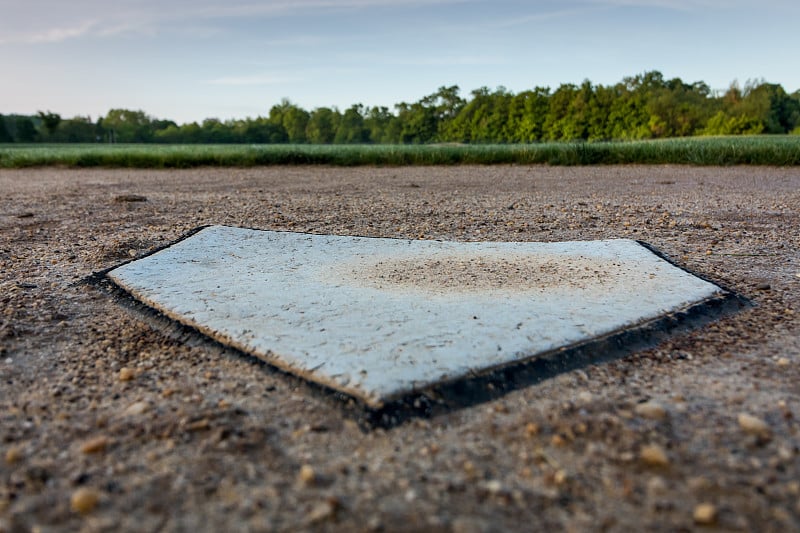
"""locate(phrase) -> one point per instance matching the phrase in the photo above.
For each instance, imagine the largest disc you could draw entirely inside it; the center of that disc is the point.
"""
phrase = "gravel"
(107, 423)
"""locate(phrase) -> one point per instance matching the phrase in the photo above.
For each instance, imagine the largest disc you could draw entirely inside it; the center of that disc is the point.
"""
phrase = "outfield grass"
(755, 150)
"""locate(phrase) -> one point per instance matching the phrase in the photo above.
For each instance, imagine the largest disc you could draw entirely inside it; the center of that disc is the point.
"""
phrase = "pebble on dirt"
(84, 500)
(654, 455)
(307, 476)
(705, 514)
(65, 343)
(652, 410)
(14, 454)
(753, 425)
(137, 408)
(95, 445)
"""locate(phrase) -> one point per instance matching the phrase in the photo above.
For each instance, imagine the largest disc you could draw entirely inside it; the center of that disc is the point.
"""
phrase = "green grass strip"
(755, 150)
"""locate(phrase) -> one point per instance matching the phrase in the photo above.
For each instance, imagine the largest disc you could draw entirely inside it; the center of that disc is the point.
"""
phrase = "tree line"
(645, 106)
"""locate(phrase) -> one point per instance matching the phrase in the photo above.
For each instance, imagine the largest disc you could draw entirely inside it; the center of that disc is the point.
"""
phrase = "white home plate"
(379, 319)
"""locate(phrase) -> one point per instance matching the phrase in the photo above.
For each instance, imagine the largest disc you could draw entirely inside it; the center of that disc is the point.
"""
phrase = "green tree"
(26, 131)
(527, 112)
(192, 133)
(75, 130)
(484, 119)
(295, 121)
(759, 107)
(418, 123)
(322, 125)
(445, 105)
(678, 109)
(157, 125)
(127, 126)
(599, 127)
(50, 121)
(723, 124)
(170, 135)
(383, 126)
(558, 112)
(351, 128)
(779, 112)
(639, 107)
(5, 136)
(292, 119)
(628, 117)
(258, 131)
(217, 132)
(575, 124)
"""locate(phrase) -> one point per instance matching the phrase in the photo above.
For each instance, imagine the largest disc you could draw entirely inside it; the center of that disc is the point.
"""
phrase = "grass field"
(756, 150)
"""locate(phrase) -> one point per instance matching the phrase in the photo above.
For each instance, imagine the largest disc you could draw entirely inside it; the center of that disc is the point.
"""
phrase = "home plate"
(382, 319)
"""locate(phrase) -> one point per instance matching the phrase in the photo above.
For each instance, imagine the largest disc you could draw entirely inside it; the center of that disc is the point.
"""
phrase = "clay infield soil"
(108, 424)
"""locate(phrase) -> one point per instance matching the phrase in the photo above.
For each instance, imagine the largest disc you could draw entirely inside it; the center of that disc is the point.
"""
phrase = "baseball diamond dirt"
(109, 422)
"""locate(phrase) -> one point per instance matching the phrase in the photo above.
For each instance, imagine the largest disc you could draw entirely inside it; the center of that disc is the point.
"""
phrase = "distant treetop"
(645, 106)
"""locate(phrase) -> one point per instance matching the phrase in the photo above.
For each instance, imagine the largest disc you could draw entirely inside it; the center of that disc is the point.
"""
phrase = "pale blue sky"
(188, 60)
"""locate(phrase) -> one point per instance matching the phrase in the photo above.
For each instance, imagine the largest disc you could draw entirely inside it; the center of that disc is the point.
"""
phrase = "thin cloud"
(298, 40)
(251, 80)
(693, 5)
(52, 35)
(287, 7)
(677, 5)
(545, 16)
(444, 61)
(49, 21)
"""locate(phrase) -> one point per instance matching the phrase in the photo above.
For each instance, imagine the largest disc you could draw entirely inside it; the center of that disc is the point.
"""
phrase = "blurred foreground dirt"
(106, 424)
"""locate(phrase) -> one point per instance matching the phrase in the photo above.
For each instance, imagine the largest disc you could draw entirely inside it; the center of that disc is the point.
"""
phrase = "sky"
(187, 60)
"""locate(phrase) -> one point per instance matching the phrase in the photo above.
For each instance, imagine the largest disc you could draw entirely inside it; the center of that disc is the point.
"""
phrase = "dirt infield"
(108, 424)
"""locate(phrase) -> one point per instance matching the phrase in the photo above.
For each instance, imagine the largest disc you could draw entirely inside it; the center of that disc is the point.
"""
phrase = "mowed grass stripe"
(756, 150)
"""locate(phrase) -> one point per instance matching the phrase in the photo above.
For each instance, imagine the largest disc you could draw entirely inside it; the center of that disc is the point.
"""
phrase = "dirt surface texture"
(108, 423)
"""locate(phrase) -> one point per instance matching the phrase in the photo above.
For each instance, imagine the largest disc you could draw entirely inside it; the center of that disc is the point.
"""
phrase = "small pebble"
(785, 454)
(307, 475)
(136, 408)
(651, 410)
(654, 455)
(95, 445)
(705, 514)
(656, 486)
(14, 455)
(627, 457)
(84, 500)
(753, 425)
(763, 287)
(494, 486)
(321, 512)
(199, 425)
(126, 374)
(699, 483)
(783, 361)
(470, 469)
